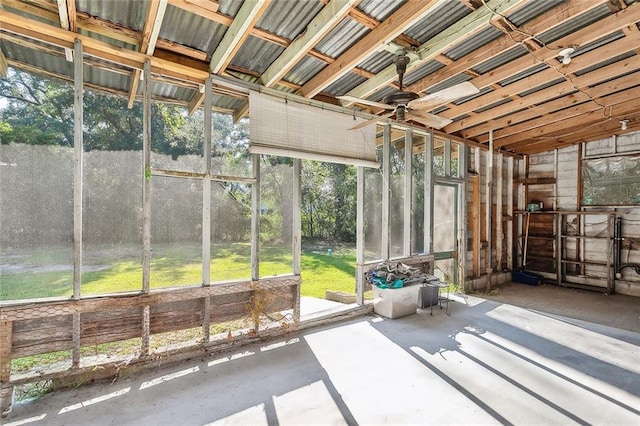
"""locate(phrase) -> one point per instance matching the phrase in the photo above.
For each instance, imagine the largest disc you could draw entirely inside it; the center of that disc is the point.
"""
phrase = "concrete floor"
(487, 363)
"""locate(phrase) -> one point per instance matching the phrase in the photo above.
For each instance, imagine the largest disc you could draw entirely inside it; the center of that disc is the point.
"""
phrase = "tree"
(39, 111)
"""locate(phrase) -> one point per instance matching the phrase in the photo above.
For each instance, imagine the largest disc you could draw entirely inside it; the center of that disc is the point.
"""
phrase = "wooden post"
(6, 388)
(146, 178)
(386, 177)
(76, 334)
(475, 224)
(509, 232)
(296, 245)
(255, 218)
(145, 349)
(206, 318)
(408, 154)
(206, 211)
(78, 80)
(488, 218)
(428, 194)
(499, 229)
(206, 187)
(360, 236)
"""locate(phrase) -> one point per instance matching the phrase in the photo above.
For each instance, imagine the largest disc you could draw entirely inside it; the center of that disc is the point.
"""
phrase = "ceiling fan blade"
(373, 120)
(353, 99)
(428, 120)
(444, 96)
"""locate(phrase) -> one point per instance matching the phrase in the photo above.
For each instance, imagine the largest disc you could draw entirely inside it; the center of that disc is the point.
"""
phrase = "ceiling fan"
(411, 106)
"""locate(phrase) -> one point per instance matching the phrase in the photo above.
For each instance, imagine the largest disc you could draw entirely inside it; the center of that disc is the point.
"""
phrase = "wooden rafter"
(59, 37)
(532, 103)
(545, 22)
(67, 13)
(237, 32)
(402, 18)
(464, 29)
(244, 21)
(554, 72)
(4, 65)
(152, 24)
(323, 22)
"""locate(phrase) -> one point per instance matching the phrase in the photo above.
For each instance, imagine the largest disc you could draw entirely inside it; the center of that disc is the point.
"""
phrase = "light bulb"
(623, 124)
(564, 53)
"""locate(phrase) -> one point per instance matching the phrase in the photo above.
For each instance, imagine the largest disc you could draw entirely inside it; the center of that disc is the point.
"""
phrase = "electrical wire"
(514, 29)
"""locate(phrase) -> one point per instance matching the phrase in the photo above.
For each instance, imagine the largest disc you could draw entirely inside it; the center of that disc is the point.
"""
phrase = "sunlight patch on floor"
(382, 383)
(308, 402)
(254, 416)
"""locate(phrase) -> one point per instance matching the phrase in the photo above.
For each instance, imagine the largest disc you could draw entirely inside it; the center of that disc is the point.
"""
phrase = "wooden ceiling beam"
(153, 22)
(242, 25)
(319, 26)
(463, 29)
(59, 37)
(62, 77)
(601, 130)
(553, 72)
(506, 123)
(393, 26)
(4, 65)
(200, 9)
(548, 20)
(562, 89)
(618, 105)
(63, 13)
(521, 121)
(581, 37)
(244, 21)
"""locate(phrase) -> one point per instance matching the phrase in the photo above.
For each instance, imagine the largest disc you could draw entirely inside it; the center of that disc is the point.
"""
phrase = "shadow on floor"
(487, 363)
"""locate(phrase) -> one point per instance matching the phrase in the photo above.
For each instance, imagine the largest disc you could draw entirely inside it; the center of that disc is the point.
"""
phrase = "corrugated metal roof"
(191, 30)
(170, 91)
(501, 59)
(526, 73)
(256, 54)
(344, 84)
(229, 7)
(289, 25)
(342, 37)
(377, 61)
(24, 14)
(607, 62)
(304, 70)
(129, 14)
(445, 14)
(456, 79)
(470, 44)
(531, 10)
(422, 71)
(581, 50)
(109, 40)
(42, 60)
(483, 91)
(546, 85)
(575, 24)
(380, 9)
(105, 78)
(493, 105)
(379, 94)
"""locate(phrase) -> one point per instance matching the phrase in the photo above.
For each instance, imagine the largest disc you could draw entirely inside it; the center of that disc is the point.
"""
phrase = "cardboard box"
(396, 302)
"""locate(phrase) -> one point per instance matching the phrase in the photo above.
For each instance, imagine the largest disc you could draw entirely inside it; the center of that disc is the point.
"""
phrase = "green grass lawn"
(174, 266)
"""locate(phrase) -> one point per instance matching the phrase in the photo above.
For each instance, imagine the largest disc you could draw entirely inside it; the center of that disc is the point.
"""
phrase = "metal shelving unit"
(581, 279)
